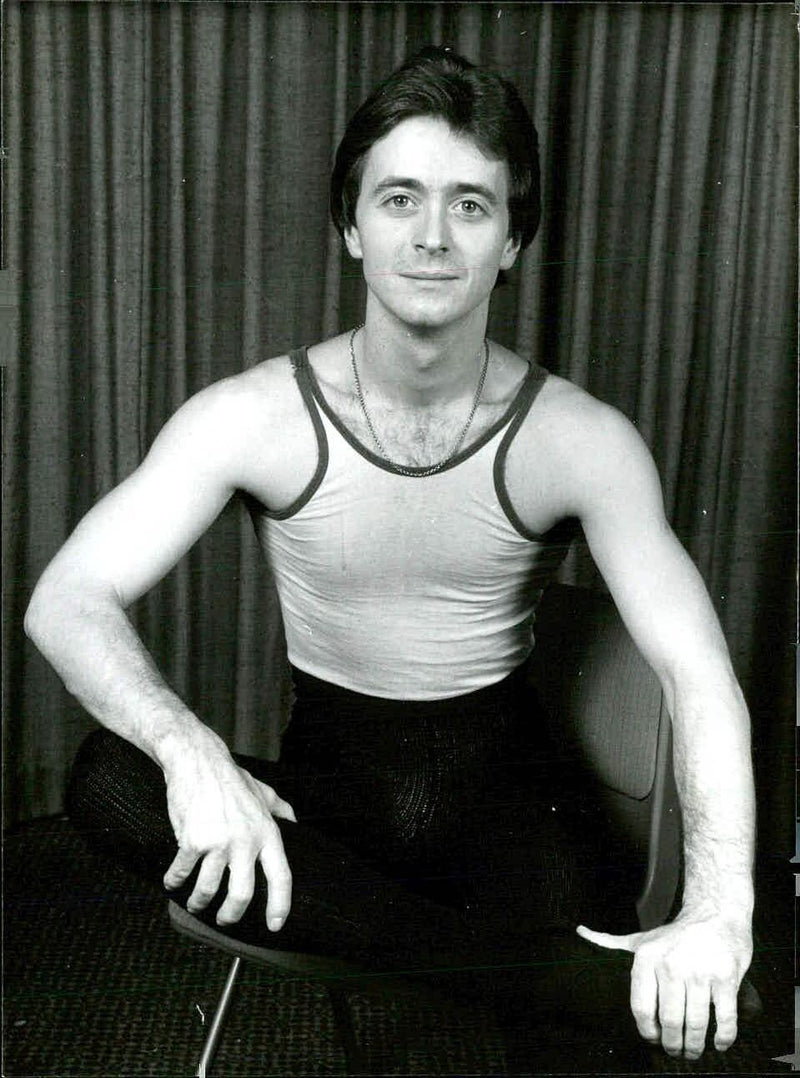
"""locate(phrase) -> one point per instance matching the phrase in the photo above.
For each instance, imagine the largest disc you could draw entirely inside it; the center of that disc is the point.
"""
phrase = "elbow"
(52, 605)
(62, 601)
(29, 622)
(39, 614)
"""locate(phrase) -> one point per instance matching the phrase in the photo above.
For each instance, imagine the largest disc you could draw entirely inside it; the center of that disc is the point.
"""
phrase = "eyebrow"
(456, 188)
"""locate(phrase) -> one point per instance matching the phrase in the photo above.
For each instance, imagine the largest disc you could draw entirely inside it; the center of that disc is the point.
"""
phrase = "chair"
(606, 705)
(602, 697)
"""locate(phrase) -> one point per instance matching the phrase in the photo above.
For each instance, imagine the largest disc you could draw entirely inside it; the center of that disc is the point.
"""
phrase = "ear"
(509, 255)
(353, 241)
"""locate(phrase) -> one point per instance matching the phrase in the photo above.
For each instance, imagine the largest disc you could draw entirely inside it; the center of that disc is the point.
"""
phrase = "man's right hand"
(223, 817)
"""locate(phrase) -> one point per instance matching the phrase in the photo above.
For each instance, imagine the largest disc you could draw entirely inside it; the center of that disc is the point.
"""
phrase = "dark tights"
(446, 838)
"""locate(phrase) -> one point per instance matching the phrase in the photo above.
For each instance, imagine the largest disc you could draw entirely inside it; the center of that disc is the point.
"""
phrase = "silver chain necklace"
(459, 442)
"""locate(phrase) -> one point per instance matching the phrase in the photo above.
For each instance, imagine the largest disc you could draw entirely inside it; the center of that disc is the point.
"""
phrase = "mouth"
(425, 275)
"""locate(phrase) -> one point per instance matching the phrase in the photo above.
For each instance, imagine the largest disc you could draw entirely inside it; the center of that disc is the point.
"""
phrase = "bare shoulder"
(575, 455)
(563, 403)
(233, 410)
(251, 430)
(262, 394)
(580, 429)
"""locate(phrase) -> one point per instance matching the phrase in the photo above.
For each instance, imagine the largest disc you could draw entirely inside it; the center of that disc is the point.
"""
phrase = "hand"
(680, 969)
(223, 817)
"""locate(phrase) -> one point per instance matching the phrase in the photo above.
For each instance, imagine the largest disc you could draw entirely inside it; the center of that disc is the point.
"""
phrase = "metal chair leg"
(219, 1017)
(343, 1021)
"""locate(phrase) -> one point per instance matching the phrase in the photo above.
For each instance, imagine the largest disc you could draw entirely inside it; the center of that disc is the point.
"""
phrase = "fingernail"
(275, 923)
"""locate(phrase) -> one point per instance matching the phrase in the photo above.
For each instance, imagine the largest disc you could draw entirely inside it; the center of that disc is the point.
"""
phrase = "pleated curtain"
(166, 208)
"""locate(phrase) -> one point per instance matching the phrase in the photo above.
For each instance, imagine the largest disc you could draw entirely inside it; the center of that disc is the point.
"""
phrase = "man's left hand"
(679, 970)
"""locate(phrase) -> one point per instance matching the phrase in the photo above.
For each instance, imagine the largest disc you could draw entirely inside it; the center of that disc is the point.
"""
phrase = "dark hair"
(474, 102)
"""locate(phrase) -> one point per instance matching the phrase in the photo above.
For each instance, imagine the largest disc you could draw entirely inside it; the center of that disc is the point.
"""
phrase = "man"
(413, 485)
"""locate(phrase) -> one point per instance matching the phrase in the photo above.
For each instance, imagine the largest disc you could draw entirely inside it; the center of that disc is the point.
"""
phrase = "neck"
(421, 366)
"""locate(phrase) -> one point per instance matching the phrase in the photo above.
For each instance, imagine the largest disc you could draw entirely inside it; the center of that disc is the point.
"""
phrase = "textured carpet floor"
(97, 983)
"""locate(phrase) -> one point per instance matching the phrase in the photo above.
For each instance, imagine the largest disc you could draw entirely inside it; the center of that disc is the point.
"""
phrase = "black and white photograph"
(400, 538)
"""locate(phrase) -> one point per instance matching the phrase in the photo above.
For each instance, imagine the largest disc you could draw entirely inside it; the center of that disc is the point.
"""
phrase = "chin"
(430, 308)
(430, 319)
(426, 315)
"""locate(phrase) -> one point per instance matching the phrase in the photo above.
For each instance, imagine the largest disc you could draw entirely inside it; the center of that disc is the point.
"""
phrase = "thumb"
(276, 805)
(283, 809)
(611, 943)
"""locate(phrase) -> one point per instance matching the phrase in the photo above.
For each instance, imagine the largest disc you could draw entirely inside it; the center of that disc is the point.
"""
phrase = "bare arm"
(77, 619)
(680, 969)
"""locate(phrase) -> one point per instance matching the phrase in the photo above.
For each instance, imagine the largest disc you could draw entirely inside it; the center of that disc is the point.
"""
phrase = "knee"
(116, 797)
(93, 761)
(98, 744)
(104, 766)
(88, 764)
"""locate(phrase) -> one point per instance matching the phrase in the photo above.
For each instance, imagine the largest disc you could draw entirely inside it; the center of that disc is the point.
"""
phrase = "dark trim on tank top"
(532, 382)
(501, 490)
(301, 373)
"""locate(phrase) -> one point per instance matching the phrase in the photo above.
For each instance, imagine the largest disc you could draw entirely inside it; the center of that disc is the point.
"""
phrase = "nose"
(433, 235)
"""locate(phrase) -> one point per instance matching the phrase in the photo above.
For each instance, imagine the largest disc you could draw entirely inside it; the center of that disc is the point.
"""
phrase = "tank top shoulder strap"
(529, 391)
(304, 377)
(298, 358)
(535, 379)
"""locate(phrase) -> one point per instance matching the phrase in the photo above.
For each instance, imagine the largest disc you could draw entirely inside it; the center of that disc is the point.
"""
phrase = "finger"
(240, 890)
(698, 1003)
(644, 1000)
(181, 867)
(208, 881)
(605, 939)
(276, 805)
(279, 883)
(282, 808)
(723, 996)
(671, 1013)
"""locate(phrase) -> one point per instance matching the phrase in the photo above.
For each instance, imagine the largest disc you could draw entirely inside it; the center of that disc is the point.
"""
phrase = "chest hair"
(417, 437)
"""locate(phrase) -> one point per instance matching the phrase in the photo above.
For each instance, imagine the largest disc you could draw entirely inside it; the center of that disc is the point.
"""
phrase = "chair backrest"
(605, 699)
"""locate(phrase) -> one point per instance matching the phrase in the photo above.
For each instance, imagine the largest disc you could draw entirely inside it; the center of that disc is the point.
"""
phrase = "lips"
(424, 275)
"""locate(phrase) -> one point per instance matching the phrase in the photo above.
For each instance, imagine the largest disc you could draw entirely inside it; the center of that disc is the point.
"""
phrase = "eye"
(470, 208)
(398, 202)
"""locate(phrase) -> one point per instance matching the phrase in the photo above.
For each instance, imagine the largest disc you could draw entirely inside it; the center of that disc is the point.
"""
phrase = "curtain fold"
(167, 208)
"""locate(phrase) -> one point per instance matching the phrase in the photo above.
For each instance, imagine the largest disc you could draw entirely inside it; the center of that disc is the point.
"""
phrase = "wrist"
(183, 739)
(733, 905)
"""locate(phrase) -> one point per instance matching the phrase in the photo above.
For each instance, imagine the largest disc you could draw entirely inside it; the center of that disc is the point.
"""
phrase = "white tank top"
(408, 587)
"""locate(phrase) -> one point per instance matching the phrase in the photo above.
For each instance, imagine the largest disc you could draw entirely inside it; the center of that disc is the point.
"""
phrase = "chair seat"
(289, 961)
(338, 975)
(335, 972)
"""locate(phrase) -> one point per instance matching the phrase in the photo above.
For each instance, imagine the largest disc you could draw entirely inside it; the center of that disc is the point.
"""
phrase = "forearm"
(83, 631)
(713, 772)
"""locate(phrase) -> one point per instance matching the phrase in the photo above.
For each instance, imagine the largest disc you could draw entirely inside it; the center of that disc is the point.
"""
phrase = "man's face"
(432, 224)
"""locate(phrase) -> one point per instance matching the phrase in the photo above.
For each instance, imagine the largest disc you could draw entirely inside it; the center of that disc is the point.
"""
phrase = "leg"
(342, 905)
(535, 864)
